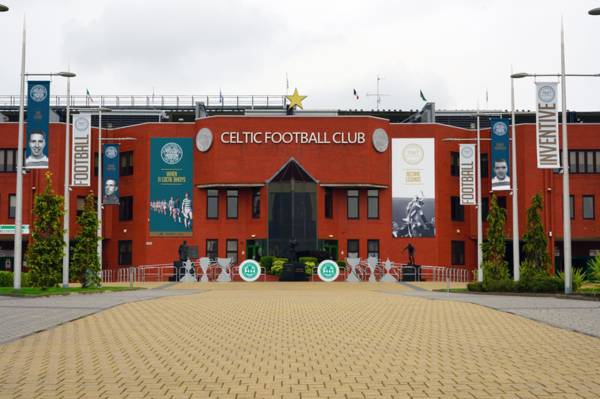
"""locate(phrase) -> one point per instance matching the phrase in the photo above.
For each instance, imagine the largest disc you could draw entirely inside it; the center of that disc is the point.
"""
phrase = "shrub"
(85, 265)
(6, 279)
(267, 262)
(594, 269)
(309, 268)
(475, 286)
(306, 259)
(503, 285)
(577, 281)
(277, 266)
(342, 264)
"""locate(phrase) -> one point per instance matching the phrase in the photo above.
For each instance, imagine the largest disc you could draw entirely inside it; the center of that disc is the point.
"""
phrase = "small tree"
(495, 267)
(535, 243)
(85, 265)
(46, 251)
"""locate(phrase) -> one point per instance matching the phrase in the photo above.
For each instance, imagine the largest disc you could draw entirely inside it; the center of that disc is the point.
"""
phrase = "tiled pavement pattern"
(301, 341)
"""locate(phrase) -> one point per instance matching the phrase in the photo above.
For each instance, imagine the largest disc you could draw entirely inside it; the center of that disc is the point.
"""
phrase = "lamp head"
(519, 75)
(594, 11)
(66, 74)
(3, 8)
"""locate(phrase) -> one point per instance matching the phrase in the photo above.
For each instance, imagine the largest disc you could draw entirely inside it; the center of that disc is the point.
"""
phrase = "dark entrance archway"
(292, 210)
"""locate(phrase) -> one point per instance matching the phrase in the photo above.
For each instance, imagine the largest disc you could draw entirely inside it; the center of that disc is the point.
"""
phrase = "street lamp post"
(99, 201)
(67, 195)
(479, 210)
(515, 188)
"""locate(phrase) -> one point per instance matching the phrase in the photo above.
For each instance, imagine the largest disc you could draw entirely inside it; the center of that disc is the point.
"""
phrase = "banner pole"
(515, 202)
(565, 165)
(65, 279)
(99, 191)
(479, 210)
(19, 194)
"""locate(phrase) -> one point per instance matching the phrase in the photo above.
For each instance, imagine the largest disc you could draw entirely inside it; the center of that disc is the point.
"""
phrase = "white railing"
(119, 100)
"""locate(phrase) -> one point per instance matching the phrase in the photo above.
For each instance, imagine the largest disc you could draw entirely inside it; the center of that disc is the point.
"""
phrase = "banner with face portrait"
(81, 150)
(546, 125)
(38, 116)
(467, 174)
(500, 154)
(413, 187)
(110, 174)
(171, 186)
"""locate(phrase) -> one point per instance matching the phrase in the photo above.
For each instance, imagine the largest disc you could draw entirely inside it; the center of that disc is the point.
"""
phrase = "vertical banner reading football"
(413, 187)
(80, 150)
(546, 123)
(171, 169)
(38, 115)
(110, 174)
(467, 174)
(500, 154)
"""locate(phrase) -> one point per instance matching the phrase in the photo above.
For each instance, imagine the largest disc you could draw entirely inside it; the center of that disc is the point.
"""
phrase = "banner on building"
(81, 151)
(500, 154)
(171, 190)
(110, 174)
(467, 160)
(38, 116)
(546, 123)
(413, 187)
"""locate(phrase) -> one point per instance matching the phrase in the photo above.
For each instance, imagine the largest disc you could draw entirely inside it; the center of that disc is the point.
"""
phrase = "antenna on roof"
(377, 94)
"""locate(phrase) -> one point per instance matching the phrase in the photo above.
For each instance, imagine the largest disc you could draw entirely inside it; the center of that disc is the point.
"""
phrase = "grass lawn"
(455, 290)
(33, 292)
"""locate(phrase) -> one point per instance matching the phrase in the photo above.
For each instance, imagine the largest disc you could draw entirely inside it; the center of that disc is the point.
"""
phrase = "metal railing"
(164, 101)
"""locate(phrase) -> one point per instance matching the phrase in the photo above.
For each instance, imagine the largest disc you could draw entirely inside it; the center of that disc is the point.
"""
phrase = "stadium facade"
(255, 178)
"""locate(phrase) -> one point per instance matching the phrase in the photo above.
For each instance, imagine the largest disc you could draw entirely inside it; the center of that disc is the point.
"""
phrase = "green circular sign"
(328, 271)
(249, 270)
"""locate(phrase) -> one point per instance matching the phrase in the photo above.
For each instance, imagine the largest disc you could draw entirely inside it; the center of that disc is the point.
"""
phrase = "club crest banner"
(546, 125)
(413, 187)
(81, 151)
(467, 159)
(171, 190)
(38, 116)
(110, 174)
(500, 154)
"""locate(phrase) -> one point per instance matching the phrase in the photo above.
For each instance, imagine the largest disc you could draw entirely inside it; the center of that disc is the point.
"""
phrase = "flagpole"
(19, 194)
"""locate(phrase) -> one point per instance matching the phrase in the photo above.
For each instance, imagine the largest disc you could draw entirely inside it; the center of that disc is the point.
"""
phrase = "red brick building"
(352, 201)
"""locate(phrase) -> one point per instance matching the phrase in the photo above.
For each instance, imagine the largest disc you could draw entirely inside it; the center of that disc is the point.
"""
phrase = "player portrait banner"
(500, 154)
(38, 115)
(546, 125)
(171, 190)
(467, 161)
(110, 174)
(413, 187)
(81, 150)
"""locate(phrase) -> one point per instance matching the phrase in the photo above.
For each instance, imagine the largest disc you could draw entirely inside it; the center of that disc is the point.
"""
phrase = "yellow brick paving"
(300, 341)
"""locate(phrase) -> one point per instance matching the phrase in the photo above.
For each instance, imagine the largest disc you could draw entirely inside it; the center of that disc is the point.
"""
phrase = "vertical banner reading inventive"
(38, 115)
(467, 174)
(546, 123)
(171, 169)
(110, 174)
(80, 150)
(500, 154)
(413, 187)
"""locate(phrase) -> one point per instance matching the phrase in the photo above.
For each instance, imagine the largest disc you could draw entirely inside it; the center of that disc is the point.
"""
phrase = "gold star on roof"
(295, 99)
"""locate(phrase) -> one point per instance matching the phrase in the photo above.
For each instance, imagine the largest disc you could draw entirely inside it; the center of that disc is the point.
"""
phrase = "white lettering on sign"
(276, 137)
(547, 126)
(467, 174)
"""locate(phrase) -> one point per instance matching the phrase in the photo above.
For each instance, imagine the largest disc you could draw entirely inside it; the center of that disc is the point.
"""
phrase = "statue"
(292, 246)
(183, 251)
(411, 254)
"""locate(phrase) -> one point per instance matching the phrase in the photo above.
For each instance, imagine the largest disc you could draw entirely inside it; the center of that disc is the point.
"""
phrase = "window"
(8, 160)
(80, 205)
(126, 163)
(126, 208)
(458, 252)
(485, 208)
(352, 204)
(353, 251)
(484, 165)
(256, 203)
(328, 203)
(373, 204)
(12, 205)
(454, 164)
(212, 249)
(588, 207)
(572, 206)
(212, 204)
(457, 211)
(232, 204)
(125, 253)
(373, 248)
(502, 202)
(232, 251)
(584, 161)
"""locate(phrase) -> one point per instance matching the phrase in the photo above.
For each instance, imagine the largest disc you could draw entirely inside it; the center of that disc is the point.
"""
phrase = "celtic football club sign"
(249, 270)
(328, 271)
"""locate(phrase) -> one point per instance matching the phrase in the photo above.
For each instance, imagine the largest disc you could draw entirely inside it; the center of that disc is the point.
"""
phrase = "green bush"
(503, 285)
(277, 266)
(342, 264)
(7, 279)
(267, 262)
(594, 269)
(309, 267)
(579, 277)
(306, 259)
(475, 286)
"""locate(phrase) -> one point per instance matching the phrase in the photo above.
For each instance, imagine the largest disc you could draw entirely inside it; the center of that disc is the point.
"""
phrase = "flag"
(88, 96)
(355, 93)
(422, 95)
(220, 97)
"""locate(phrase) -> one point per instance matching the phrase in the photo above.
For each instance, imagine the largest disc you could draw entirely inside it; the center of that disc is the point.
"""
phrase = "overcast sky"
(453, 50)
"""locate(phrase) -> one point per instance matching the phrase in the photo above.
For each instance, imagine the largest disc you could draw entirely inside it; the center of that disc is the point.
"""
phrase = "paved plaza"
(299, 340)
